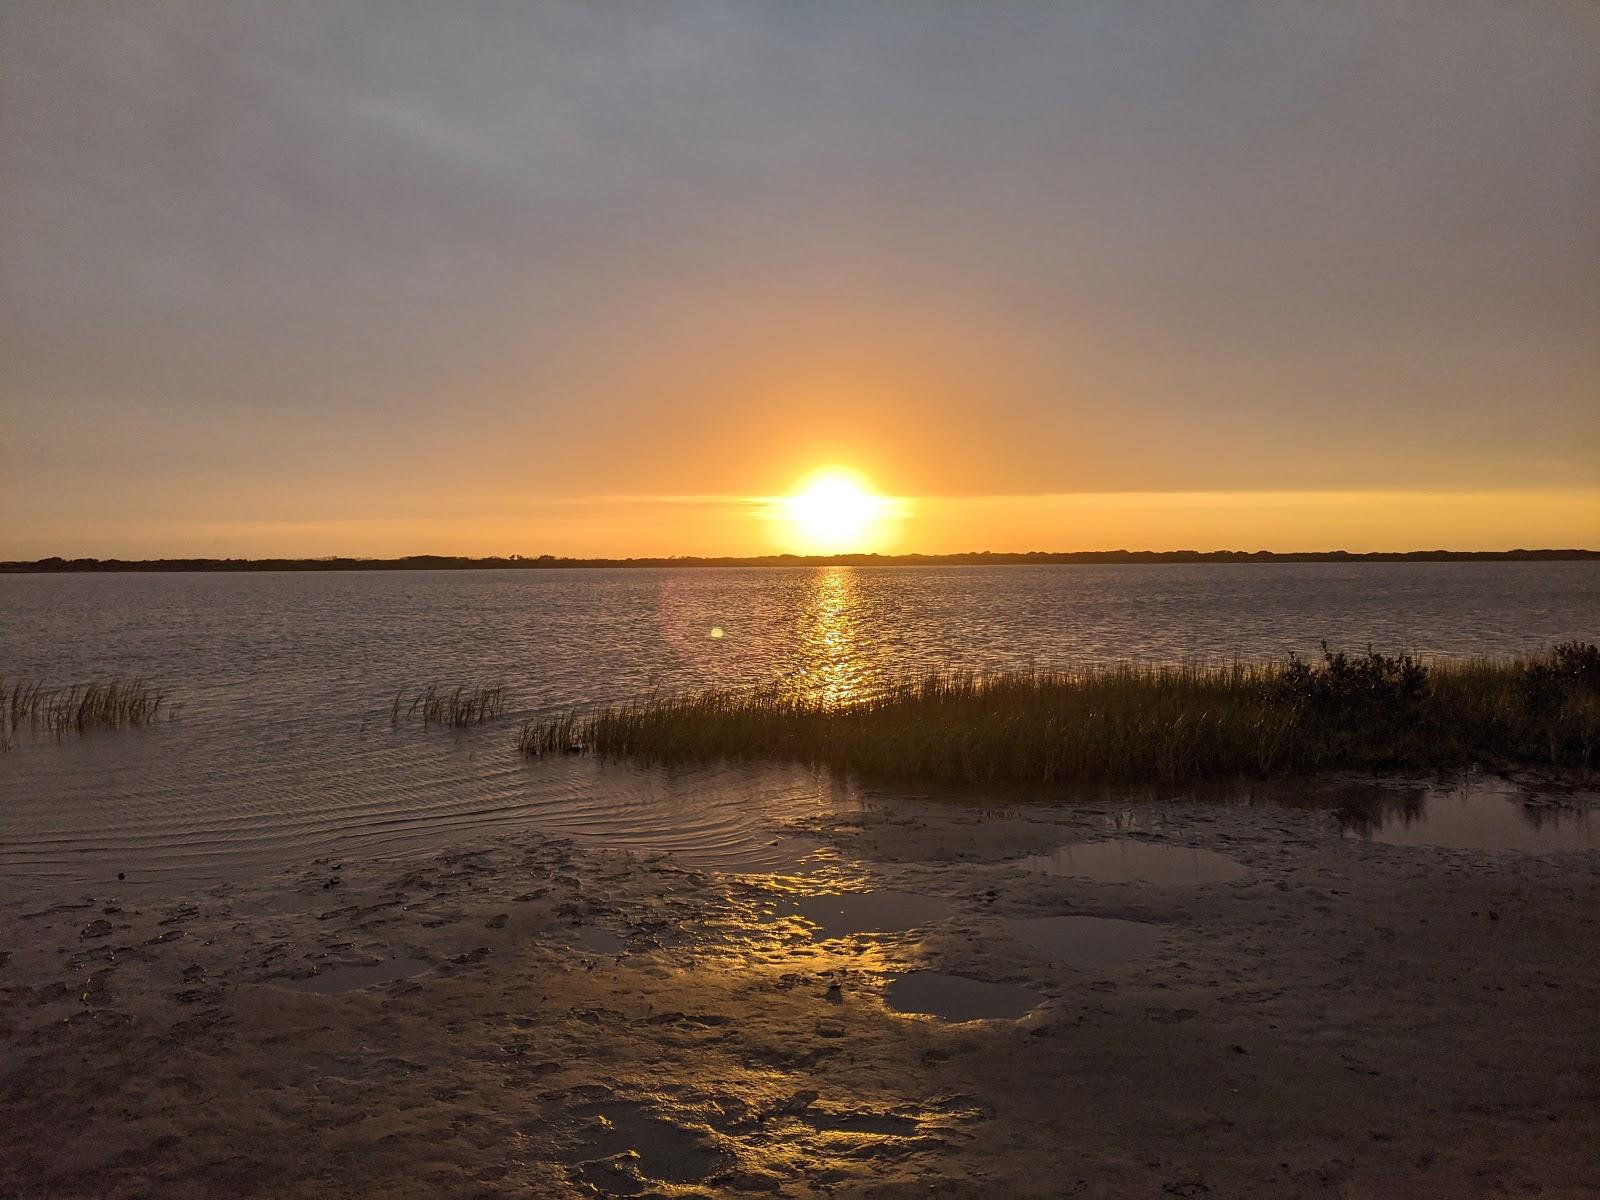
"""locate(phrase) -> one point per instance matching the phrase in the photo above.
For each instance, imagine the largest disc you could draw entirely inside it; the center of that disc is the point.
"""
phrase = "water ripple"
(283, 750)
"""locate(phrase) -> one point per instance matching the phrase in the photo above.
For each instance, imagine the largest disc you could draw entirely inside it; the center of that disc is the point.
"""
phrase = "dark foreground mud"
(524, 1018)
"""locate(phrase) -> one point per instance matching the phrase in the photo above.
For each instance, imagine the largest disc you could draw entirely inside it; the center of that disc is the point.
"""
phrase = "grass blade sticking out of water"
(557, 735)
(18, 703)
(458, 708)
(80, 708)
(1132, 722)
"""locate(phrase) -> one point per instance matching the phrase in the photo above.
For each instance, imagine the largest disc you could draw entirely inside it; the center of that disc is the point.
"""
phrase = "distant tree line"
(517, 562)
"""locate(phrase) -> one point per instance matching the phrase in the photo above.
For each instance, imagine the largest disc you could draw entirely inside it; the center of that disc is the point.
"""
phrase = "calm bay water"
(284, 751)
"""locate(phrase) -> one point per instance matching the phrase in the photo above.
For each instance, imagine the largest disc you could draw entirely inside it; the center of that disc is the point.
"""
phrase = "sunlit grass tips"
(1131, 722)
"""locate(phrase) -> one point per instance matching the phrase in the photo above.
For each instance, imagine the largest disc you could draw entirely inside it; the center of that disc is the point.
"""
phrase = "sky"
(606, 279)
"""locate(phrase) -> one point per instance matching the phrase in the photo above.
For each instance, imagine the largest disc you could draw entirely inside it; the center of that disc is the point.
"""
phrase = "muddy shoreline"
(523, 1016)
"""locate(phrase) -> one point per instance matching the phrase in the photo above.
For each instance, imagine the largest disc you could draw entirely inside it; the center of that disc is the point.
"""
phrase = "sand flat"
(1345, 1019)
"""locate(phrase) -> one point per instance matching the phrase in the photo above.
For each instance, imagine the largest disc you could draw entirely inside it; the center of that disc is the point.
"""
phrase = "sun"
(835, 510)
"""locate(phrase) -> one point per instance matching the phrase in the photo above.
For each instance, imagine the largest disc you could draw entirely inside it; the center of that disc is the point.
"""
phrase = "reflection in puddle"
(1120, 860)
(596, 940)
(957, 998)
(350, 978)
(1086, 941)
(867, 912)
(1480, 815)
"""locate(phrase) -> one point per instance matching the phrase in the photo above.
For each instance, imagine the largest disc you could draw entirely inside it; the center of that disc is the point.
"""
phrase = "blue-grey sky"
(302, 277)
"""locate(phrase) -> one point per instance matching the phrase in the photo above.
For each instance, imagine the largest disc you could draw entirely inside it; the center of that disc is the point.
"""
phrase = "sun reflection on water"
(833, 669)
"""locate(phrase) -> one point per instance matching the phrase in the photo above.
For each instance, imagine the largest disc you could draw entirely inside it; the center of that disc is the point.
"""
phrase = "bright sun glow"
(835, 511)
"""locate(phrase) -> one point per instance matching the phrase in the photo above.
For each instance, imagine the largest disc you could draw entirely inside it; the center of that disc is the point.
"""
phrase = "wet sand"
(524, 1017)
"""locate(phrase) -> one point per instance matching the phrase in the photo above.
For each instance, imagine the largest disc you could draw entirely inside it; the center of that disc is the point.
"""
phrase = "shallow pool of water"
(1093, 942)
(958, 998)
(625, 1144)
(158, 825)
(1480, 814)
(596, 940)
(1127, 860)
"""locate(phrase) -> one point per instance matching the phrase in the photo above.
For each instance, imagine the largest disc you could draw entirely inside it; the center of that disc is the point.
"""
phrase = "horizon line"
(57, 564)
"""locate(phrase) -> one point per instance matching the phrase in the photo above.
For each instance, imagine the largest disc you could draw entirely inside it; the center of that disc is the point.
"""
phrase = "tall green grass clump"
(1132, 723)
(458, 708)
(79, 708)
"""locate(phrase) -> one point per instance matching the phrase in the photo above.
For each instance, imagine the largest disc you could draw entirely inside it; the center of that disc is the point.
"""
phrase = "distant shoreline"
(435, 562)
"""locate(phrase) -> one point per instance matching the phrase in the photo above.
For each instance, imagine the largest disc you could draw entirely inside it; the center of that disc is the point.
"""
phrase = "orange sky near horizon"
(638, 526)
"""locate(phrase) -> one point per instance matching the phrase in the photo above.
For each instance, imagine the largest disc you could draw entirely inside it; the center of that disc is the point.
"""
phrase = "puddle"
(628, 1144)
(1479, 816)
(1122, 860)
(350, 978)
(957, 998)
(1086, 941)
(596, 940)
(866, 912)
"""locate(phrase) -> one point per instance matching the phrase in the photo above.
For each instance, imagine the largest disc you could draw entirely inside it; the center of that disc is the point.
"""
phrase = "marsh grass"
(80, 708)
(1131, 722)
(458, 708)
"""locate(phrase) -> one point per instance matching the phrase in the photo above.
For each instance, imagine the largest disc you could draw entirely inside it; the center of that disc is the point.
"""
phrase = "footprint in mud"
(352, 976)
(286, 902)
(688, 1020)
(882, 1124)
